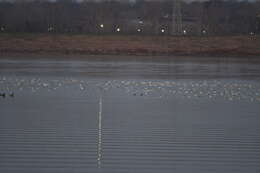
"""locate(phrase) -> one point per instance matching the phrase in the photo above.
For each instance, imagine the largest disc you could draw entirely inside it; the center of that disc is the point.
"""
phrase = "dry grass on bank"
(129, 45)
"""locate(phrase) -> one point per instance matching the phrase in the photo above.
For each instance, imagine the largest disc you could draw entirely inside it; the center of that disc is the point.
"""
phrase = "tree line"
(213, 17)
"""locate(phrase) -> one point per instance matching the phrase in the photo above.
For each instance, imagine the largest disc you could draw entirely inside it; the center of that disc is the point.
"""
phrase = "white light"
(2, 28)
(118, 29)
(101, 26)
(162, 30)
(204, 32)
(138, 30)
(141, 22)
(50, 29)
(184, 32)
(251, 33)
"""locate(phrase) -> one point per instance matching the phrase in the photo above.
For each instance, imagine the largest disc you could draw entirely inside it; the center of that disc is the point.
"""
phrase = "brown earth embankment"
(129, 45)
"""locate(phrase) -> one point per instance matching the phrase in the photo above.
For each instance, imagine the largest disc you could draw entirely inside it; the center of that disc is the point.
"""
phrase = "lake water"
(129, 114)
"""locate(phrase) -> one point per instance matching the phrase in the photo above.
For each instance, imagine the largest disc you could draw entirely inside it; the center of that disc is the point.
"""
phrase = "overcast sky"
(137, 0)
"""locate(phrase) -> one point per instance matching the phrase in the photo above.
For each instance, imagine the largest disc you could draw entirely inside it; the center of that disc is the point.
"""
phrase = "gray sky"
(137, 0)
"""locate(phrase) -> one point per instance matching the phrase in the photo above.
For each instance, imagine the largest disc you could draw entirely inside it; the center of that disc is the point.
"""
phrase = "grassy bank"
(129, 45)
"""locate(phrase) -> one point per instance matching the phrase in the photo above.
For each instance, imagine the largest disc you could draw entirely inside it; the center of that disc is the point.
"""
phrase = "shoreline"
(129, 45)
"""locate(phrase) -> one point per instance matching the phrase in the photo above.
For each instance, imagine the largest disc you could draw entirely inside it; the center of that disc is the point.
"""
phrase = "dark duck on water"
(11, 94)
(2, 95)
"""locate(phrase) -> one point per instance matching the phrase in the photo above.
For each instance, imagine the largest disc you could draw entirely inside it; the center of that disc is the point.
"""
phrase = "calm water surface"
(110, 114)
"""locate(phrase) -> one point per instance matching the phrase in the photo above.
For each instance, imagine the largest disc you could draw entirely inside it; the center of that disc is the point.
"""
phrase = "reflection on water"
(100, 132)
(135, 67)
(148, 119)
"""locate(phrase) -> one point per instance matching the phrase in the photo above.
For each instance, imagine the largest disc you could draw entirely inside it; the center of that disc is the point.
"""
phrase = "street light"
(118, 30)
(101, 25)
(162, 30)
(184, 32)
(138, 30)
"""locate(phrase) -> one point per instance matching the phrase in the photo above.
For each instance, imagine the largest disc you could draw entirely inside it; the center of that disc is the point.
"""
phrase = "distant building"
(190, 25)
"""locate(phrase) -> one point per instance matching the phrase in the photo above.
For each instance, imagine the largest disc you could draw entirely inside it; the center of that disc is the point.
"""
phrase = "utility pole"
(176, 18)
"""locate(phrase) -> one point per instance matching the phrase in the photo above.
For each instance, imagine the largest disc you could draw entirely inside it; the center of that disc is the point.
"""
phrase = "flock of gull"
(227, 89)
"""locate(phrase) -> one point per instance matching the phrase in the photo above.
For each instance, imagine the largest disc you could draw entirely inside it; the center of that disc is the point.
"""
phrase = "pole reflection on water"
(100, 132)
